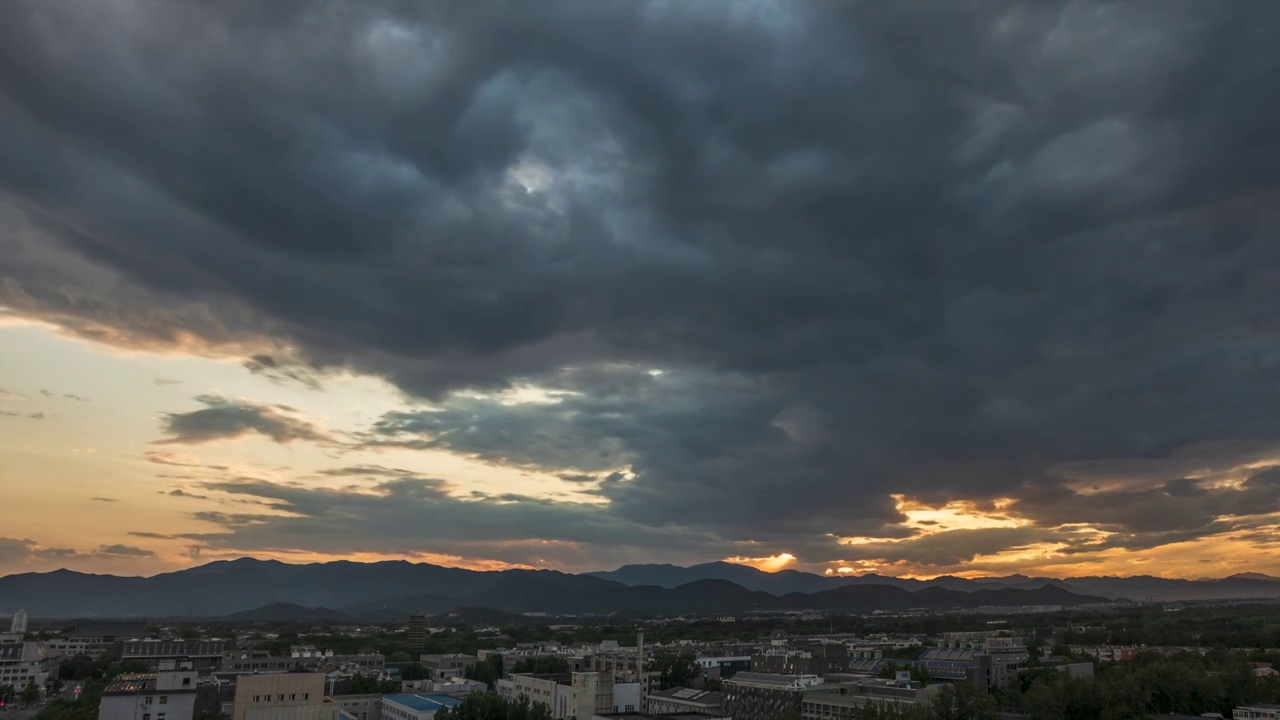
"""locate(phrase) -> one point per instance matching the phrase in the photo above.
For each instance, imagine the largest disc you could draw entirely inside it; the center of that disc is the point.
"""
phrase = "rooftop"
(130, 683)
(108, 628)
(689, 694)
(422, 703)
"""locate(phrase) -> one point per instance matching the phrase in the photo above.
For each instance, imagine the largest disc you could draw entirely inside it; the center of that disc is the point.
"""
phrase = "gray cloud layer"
(936, 251)
(224, 419)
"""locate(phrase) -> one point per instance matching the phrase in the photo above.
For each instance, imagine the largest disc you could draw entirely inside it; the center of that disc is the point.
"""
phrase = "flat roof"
(423, 703)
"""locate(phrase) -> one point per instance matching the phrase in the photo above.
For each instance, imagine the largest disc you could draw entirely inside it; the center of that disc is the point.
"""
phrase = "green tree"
(676, 669)
(30, 693)
(542, 664)
(488, 671)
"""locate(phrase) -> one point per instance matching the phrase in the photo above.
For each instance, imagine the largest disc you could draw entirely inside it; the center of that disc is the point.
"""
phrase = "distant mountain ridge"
(389, 591)
(1138, 588)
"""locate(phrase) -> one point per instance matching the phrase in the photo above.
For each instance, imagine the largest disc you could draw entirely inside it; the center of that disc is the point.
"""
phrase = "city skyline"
(594, 285)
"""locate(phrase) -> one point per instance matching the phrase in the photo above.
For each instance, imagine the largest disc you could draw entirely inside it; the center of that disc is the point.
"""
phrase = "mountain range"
(389, 591)
(1142, 588)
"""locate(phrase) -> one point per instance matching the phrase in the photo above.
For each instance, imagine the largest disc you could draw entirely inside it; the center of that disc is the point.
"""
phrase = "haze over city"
(913, 289)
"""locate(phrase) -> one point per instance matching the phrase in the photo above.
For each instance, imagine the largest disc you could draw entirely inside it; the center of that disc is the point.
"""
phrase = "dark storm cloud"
(223, 419)
(267, 366)
(417, 514)
(929, 250)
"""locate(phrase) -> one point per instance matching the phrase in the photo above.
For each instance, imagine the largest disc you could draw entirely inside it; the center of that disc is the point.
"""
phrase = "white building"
(19, 624)
(163, 695)
(26, 663)
(580, 694)
(1256, 712)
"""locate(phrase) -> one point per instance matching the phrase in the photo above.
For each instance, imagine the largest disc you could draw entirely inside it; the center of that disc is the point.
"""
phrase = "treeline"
(1149, 685)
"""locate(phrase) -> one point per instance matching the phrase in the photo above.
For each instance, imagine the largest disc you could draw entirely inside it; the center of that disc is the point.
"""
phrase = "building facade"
(202, 654)
(761, 696)
(282, 696)
(1256, 712)
(441, 668)
(19, 623)
(842, 701)
(360, 707)
(163, 695)
(26, 663)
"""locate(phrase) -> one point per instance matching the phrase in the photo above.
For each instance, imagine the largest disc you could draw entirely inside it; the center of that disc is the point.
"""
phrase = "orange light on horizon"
(773, 563)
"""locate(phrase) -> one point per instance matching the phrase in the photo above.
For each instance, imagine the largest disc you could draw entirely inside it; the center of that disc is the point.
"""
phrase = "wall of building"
(282, 696)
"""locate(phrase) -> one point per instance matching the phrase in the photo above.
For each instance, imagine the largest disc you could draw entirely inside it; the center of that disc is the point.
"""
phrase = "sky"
(974, 288)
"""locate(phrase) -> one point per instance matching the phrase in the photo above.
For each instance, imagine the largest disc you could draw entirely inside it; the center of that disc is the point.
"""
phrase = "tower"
(19, 621)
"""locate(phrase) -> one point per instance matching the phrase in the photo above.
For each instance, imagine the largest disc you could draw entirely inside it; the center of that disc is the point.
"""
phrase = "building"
(95, 638)
(456, 687)
(813, 660)
(202, 654)
(256, 661)
(679, 700)
(990, 662)
(415, 707)
(1256, 712)
(360, 707)
(28, 663)
(653, 716)
(1114, 653)
(441, 668)
(837, 701)
(19, 624)
(1070, 669)
(282, 696)
(761, 696)
(162, 695)
(417, 634)
(570, 695)
(728, 666)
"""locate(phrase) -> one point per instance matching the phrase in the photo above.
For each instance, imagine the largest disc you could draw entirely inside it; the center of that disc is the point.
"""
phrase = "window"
(164, 699)
(281, 697)
(306, 695)
(146, 716)
(186, 681)
(148, 700)
(257, 698)
(293, 696)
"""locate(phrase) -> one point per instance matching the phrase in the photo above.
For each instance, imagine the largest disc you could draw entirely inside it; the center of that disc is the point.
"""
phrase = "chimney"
(640, 658)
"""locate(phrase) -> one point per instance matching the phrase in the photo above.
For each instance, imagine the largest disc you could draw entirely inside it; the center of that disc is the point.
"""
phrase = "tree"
(30, 693)
(676, 669)
(542, 664)
(399, 656)
(488, 671)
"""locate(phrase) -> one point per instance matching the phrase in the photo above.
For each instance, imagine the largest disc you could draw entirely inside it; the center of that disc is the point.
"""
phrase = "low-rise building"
(360, 707)
(762, 696)
(26, 663)
(162, 695)
(282, 696)
(95, 638)
(444, 667)
(819, 659)
(1265, 711)
(416, 707)
(202, 654)
(834, 702)
(578, 694)
(679, 700)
